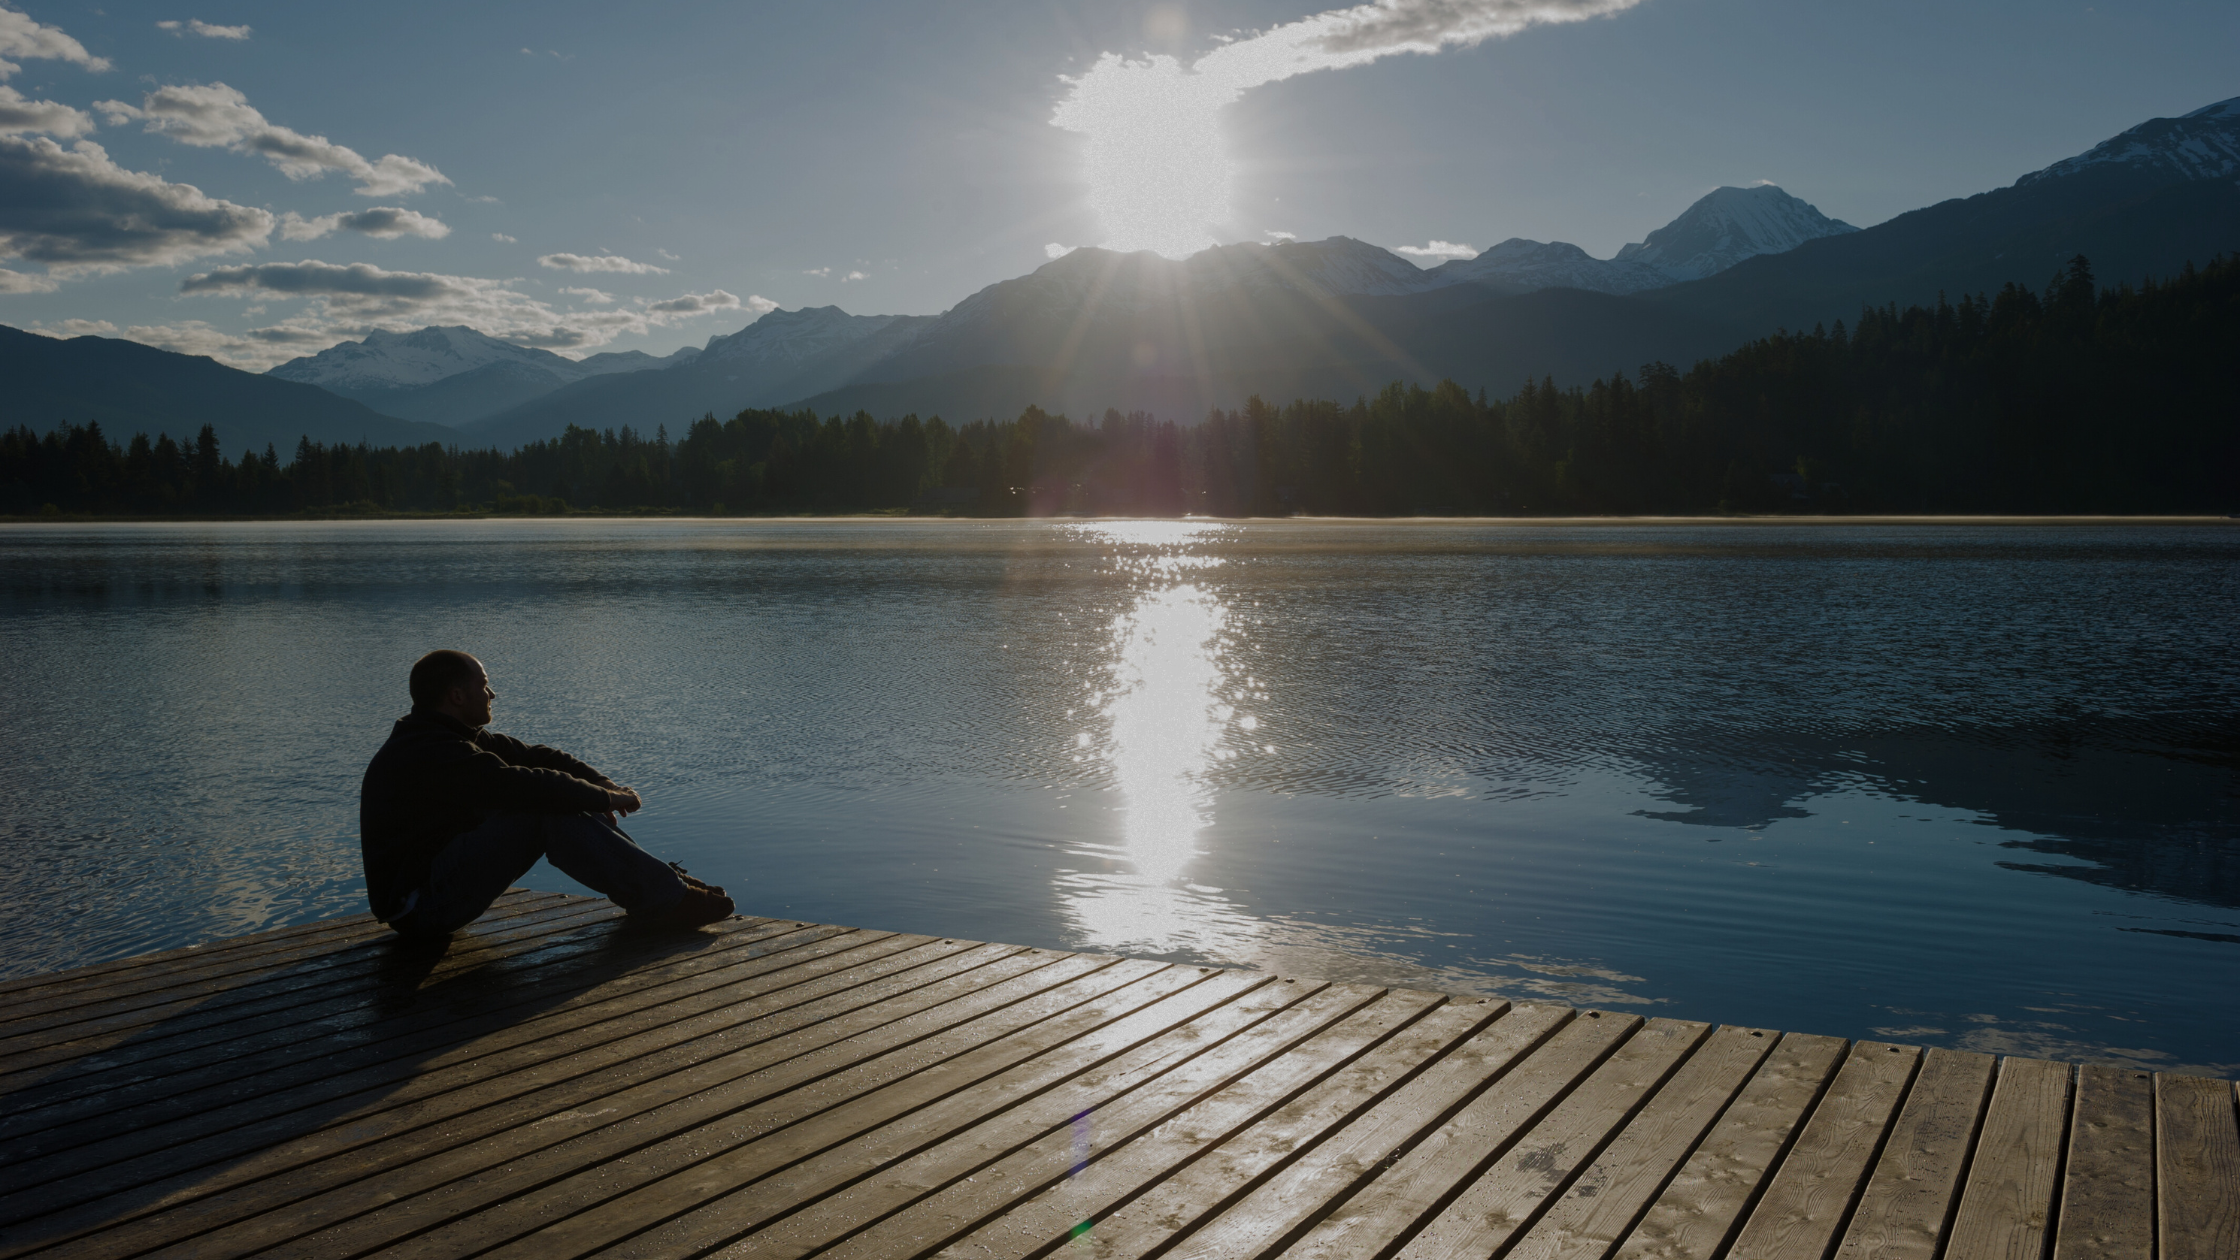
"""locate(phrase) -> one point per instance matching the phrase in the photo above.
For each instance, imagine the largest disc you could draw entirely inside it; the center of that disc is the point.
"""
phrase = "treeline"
(2073, 400)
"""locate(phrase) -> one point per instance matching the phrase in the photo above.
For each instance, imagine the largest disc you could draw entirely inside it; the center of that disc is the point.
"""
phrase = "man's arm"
(514, 752)
(481, 779)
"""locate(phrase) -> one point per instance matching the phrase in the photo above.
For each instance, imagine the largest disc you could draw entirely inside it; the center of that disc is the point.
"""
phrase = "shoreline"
(896, 518)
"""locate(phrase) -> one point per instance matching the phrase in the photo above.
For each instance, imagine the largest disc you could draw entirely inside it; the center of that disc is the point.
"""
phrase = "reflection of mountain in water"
(2153, 807)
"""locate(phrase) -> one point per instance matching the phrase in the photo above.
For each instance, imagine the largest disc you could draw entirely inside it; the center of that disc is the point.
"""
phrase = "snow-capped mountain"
(1728, 225)
(450, 375)
(786, 339)
(1722, 228)
(2204, 144)
(387, 360)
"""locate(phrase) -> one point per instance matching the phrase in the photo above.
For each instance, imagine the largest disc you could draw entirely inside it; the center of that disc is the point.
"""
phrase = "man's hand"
(622, 801)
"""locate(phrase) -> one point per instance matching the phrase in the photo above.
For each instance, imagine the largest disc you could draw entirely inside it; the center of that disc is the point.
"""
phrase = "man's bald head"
(436, 674)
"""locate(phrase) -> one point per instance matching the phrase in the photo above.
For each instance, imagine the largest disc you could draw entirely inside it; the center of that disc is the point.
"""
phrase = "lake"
(1967, 785)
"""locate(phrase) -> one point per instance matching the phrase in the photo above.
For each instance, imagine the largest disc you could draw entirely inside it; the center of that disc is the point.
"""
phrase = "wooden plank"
(357, 962)
(222, 971)
(207, 953)
(1809, 1198)
(92, 972)
(784, 1167)
(279, 1193)
(2107, 1189)
(1126, 1144)
(807, 1206)
(418, 1157)
(1209, 1152)
(473, 1093)
(2006, 1211)
(501, 1001)
(2197, 1168)
(535, 960)
(381, 961)
(1598, 1209)
(1408, 1142)
(1704, 1204)
(378, 1033)
(1417, 1161)
(1909, 1197)
(765, 1088)
(1506, 1198)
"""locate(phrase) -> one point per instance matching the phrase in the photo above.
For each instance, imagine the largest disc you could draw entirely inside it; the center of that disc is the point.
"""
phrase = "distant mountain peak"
(1727, 225)
(2204, 144)
(393, 360)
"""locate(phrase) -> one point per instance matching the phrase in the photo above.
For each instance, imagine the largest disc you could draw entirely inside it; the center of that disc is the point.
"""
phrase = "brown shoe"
(699, 907)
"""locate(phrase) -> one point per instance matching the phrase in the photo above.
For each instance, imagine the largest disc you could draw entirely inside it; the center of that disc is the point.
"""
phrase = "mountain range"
(128, 388)
(1333, 318)
(448, 375)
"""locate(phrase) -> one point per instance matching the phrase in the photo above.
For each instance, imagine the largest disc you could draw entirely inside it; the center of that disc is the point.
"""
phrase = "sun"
(1158, 171)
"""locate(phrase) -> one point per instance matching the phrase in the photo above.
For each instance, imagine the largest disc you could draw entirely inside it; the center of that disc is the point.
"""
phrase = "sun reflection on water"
(1167, 721)
(1168, 662)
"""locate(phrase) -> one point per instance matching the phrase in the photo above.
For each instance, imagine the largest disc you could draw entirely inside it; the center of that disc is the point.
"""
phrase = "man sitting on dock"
(451, 813)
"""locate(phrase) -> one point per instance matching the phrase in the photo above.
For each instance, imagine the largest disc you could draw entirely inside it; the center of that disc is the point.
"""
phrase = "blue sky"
(644, 176)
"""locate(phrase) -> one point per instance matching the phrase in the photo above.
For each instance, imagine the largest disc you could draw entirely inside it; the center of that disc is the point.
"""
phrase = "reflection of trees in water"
(2153, 806)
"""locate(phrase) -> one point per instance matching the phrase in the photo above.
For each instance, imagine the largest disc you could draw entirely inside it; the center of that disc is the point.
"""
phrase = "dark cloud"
(75, 209)
(321, 279)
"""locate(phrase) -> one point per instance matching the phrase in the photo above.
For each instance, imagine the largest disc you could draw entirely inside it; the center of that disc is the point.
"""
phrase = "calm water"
(1968, 786)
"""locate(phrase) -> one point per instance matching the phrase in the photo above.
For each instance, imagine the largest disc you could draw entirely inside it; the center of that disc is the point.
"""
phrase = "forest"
(2073, 399)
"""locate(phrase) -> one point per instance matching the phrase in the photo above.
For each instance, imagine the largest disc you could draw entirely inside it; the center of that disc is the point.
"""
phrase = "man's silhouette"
(451, 813)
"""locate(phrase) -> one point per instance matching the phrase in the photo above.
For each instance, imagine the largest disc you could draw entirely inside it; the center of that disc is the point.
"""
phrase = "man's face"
(472, 698)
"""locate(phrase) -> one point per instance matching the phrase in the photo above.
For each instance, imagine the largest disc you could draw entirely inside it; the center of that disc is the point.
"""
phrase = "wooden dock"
(555, 1083)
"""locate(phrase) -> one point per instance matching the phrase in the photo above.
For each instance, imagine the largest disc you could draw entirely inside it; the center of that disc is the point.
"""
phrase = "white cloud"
(18, 282)
(253, 351)
(19, 115)
(209, 116)
(601, 262)
(1055, 250)
(759, 304)
(819, 272)
(666, 254)
(20, 36)
(199, 27)
(1439, 249)
(1273, 235)
(385, 222)
(592, 296)
(72, 328)
(486, 200)
(343, 301)
(503, 238)
(76, 210)
(1159, 175)
(853, 276)
(696, 304)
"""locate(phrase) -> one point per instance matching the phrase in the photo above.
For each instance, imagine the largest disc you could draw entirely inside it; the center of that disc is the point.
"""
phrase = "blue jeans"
(478, 865)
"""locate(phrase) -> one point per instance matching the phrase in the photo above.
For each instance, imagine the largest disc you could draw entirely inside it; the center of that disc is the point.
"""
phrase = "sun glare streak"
(1167, 721)
(1159, 173)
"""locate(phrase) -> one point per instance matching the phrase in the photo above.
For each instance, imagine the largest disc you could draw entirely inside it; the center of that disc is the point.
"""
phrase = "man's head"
(454, 684)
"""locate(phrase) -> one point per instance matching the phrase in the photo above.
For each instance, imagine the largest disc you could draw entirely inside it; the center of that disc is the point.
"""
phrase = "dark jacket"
(435, 779)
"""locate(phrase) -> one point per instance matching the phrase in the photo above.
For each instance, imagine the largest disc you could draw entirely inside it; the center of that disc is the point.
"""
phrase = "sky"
(258, 181)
